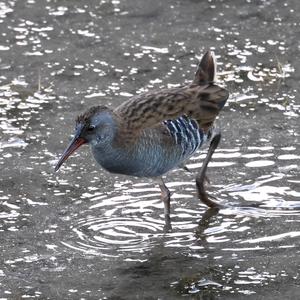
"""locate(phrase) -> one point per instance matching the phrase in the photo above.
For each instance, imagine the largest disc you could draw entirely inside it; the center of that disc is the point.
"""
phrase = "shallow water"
(85, 234)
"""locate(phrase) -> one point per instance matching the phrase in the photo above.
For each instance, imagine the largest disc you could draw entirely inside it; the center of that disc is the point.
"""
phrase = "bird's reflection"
(204, 223)
(170, 270)
(168, 224)
(204, 279)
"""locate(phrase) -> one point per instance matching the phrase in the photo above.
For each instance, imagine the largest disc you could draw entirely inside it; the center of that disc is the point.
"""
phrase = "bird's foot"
(201, 178)
(203, 196)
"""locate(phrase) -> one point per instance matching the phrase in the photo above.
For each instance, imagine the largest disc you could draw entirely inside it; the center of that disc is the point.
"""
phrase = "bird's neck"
(130, 155)
(114, 158)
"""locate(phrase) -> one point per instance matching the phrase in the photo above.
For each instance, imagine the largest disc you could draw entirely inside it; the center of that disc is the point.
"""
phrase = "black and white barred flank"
(187, 134)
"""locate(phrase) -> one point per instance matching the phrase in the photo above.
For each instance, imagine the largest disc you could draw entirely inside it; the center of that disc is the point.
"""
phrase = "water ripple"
(93, 234)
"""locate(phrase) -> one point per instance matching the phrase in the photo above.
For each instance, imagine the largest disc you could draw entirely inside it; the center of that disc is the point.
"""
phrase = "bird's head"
(96, 127)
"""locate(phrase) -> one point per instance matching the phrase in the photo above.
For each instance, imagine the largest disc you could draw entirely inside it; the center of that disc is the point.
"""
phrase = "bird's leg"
(201, 177)
(165, 196)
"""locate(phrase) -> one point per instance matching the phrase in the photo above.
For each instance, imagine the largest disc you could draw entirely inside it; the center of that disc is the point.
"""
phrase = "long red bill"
(75, 144)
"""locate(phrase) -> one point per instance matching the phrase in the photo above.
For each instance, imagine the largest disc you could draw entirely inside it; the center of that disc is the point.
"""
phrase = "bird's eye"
(91, 128)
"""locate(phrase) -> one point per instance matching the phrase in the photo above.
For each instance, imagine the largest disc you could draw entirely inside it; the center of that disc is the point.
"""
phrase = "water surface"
(85, 234)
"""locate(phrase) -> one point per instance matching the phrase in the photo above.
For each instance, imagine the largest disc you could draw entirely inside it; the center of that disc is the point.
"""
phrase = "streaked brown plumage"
(200, 102)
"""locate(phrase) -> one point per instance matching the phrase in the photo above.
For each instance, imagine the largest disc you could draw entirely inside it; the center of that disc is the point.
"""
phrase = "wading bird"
(157, 131)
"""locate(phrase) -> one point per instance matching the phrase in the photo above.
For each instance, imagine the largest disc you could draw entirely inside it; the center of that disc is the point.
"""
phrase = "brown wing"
(202, 103)
(201, 100)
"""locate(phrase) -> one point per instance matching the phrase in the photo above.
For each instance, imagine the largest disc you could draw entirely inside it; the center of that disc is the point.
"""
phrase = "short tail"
(207, 69)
